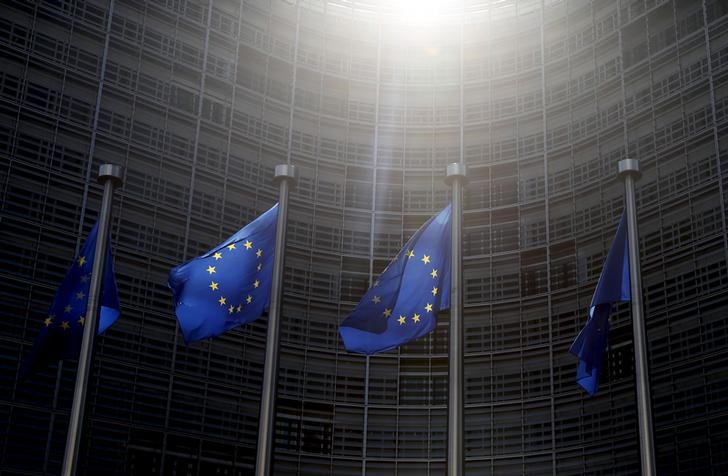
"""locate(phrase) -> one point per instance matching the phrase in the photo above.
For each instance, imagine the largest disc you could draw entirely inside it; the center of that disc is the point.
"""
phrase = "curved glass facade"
(200, 100)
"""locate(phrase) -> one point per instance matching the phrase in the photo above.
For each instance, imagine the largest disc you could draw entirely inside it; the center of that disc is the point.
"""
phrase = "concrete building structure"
(200, 100)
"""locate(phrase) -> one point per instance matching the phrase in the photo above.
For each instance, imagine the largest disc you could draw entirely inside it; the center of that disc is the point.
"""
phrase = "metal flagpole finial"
(285, 172)
(112, 172)
(456, 171)
(629, 167)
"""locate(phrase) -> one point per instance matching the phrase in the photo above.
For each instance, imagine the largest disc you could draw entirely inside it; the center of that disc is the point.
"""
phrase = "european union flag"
(613, 286)
(402, 304)
(62, 330)
(229, 285)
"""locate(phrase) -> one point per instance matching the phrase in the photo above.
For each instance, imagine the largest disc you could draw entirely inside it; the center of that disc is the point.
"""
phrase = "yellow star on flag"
(249, 299)
(231, 246)
(64, 325)
(81, 320)
(428, 307)
(240, 308)
(434, 291)
(81, 260)
(256, 283)
(410, 253)
(260, 266)
(387, 312)
(210, 269)
(433, 273)
(48, 321)
(213, 285)
(231, 309)
(222, 300)
(217, 256)
(80, 295)
(425, 259)
(248, 244)
(259, 253)
(401, 320)
(416, 318)
(376, 299)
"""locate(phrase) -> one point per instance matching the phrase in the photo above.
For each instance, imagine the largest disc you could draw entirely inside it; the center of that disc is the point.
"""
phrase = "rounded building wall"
(200, 101)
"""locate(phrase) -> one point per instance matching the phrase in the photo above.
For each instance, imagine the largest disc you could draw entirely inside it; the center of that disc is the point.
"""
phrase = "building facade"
(199, 100)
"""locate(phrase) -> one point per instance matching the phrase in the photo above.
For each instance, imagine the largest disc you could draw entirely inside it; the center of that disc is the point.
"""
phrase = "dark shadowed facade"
(200, 100)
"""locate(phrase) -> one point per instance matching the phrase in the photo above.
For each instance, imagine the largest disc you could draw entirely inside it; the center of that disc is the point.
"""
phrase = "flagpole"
(110, 176)
(629, 169)
(286, 176)
(456, 179)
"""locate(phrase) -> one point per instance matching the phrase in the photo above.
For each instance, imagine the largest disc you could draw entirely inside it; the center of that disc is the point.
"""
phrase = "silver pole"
(456, 178)
(629, 169)
(110, 176)
(284, 175)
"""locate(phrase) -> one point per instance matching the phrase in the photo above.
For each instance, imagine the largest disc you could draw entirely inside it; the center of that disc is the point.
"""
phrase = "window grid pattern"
(214, 91)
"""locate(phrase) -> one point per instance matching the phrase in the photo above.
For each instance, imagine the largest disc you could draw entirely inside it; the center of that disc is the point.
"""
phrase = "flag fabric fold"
(613, 287)
(229, 285)
(402, 304)
(62, 329)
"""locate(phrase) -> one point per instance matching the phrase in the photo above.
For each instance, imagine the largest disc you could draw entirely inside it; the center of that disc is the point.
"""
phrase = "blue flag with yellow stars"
(402, 303)
(229, 285)
(613, 286)
(61, 331)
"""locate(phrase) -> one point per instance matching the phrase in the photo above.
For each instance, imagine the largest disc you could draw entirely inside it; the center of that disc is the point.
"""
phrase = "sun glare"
(422, 11)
